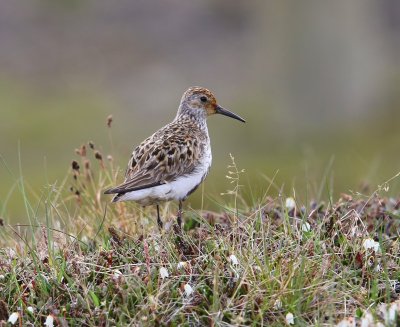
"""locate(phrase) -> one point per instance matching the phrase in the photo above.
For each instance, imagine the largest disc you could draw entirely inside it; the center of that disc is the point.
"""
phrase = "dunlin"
(175, 160)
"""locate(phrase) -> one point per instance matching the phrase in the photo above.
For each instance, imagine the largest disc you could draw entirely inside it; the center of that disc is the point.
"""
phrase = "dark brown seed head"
(91, 144)
(75, 165)
(98, 155)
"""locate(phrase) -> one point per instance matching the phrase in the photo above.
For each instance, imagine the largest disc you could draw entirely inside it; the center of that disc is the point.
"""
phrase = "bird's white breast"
(175, 190)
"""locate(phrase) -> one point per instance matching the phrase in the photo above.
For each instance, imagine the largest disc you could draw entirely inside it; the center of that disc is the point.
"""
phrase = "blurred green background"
(317, 81)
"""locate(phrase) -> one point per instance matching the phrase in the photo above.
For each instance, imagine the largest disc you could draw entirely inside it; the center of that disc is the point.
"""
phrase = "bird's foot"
(160, 224)
(159, 221)
(179, 219)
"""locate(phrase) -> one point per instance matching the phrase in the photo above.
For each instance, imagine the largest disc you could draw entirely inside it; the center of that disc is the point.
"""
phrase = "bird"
(171, 164)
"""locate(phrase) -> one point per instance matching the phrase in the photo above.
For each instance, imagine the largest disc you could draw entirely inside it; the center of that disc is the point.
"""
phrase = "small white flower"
(30, 309)
(347, 322)
(164, 273)
(367, 320)
(2, 277)
(188, 289)
(117, 273)
(392, 313)
(181, 265)
(378, 268)
(11, 253)
(13, 318)
(290, 203)
(290, 319)
(49, 321)
(233, 259)
(306, 227)
(369, 243)
(278, 304)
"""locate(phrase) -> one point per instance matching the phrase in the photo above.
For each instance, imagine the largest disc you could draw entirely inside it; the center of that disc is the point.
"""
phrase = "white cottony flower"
(49, 321)
(13, 318)
(290, 203)
(2, 277)
(188, 289)
(163, 273)
(117, 275)
(347, 322)
(181, 265)
(392, 313)
(306, 227)
(369, 243)
(290, 319)
(278, 304)
(30, 309)
(367, 320)
(233, 259)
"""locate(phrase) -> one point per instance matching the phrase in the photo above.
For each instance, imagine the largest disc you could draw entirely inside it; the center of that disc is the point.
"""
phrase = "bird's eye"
(203, 99)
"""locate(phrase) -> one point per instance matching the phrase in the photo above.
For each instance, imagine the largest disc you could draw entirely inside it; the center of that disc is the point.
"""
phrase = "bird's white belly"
(175, 190)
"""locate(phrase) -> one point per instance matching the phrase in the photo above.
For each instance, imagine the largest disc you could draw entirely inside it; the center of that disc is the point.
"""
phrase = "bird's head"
(200, 102)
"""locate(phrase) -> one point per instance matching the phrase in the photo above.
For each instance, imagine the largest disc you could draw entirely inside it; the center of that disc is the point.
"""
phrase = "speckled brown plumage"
(172, 151)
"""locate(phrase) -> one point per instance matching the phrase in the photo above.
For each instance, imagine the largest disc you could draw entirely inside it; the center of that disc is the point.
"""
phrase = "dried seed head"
(91, 145)
(87, 164)
(110, 158)
(1, 221)
(98, 155)
(75, 165)
(83, 150)
(109, 121)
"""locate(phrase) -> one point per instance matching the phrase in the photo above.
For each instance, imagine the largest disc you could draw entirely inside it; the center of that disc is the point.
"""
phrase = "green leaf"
(95, 299)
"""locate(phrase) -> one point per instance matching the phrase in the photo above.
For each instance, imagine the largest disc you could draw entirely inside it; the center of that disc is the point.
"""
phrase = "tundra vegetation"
(270, 260)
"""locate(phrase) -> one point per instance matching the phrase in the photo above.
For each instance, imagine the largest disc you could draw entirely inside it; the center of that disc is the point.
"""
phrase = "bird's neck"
(196, 116)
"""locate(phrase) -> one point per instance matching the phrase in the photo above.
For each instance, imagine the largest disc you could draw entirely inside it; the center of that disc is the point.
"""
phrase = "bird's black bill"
(228, 113)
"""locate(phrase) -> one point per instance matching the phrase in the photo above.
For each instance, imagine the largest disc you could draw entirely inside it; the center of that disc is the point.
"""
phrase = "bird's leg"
(159, 222)
(179, 218)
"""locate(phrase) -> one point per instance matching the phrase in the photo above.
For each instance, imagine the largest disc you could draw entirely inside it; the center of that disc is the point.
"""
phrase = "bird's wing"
(158, 160)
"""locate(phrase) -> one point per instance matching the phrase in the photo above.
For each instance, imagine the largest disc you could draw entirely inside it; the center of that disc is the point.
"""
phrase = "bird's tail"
(117, 196)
